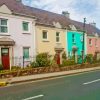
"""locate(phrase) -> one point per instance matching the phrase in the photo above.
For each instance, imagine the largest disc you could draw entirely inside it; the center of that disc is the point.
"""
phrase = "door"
(58, 58)
(5, 58)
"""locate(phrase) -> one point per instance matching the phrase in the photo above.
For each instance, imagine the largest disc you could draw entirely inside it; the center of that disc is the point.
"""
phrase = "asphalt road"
(84, 86)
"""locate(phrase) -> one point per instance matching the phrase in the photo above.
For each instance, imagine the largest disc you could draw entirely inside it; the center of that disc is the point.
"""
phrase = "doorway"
(5, 58)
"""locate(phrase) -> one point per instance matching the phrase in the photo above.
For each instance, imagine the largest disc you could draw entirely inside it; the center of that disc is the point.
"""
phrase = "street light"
(83, 40)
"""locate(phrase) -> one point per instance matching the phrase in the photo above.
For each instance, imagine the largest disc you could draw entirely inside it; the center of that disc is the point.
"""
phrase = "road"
(85, 86)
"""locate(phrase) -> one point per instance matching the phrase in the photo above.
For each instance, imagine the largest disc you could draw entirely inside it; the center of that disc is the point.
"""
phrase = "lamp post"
(83, 40)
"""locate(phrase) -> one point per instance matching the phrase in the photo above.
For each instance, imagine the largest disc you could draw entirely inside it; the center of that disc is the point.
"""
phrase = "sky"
(78, 9)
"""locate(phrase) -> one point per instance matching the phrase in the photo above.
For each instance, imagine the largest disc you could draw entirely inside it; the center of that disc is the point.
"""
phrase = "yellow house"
(49, 39)
(50, 32)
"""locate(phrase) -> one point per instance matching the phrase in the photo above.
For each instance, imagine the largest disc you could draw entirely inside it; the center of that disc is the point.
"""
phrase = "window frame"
(28, 28)
(90, 42)
(57, 36)
(73, 38)
(5, 26)
(28, 52)
(45, 39)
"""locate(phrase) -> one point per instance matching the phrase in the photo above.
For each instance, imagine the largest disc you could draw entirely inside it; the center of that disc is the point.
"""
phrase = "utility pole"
(83, 48)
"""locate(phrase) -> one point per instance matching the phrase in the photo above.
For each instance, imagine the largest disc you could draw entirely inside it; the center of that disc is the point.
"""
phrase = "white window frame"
(4, 33)
(91, 42)
(57, 37)
(45, 39)
(28, 27)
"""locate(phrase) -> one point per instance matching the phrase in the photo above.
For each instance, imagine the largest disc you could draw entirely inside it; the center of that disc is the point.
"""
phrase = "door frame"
(8, 54)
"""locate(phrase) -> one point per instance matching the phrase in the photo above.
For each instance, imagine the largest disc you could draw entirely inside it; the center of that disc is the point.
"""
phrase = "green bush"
(1, 67)
(42, 60)
(64, 56)
(68, 63)
(89, 58)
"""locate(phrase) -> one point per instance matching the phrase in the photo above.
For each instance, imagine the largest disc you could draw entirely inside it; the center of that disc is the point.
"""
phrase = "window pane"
(3, 29)
(25, 26)
(26, 52)
(44, 35)
(3, 21)
(57, 39)
(57, 34)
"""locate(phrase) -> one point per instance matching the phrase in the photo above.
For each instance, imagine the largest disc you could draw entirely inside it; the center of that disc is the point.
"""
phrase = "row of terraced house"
(26, 31)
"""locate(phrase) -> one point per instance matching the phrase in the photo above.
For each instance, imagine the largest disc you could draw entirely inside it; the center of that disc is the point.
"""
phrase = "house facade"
(17, 36)
(93, 45)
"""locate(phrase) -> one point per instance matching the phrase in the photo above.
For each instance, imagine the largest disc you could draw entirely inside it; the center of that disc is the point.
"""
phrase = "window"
(3, 26)
(45, 35)
(73, 38)
(26, 26)
(26, 52)
(96, 42)
(90, 41)
(57, 37)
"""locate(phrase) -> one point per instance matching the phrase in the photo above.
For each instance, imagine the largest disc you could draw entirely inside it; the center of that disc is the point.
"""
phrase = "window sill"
(26, 33)
(4, 34)
(45, 40)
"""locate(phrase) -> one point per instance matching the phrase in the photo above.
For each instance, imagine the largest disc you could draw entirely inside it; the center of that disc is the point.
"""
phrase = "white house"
(17, 34)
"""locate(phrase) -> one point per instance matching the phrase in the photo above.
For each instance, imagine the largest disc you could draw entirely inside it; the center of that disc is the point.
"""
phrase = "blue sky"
(78, 9)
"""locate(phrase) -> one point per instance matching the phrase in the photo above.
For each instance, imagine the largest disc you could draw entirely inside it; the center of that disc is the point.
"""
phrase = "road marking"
(91, 82)
(30, 98)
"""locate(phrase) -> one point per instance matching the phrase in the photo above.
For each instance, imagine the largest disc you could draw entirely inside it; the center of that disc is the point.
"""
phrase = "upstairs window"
(73, 38)
(57, 37)
(96, 42)
(45, 35)
(25, 26)
(3, 26)
(90, 41)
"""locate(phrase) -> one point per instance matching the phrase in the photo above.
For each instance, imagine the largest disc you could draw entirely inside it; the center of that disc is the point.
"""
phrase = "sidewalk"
(44, 76)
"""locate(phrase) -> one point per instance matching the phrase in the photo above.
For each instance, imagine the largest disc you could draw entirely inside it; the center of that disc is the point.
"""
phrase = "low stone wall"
(40, 70)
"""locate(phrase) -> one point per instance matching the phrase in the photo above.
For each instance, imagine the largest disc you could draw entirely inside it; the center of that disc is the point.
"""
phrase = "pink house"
(93, 45)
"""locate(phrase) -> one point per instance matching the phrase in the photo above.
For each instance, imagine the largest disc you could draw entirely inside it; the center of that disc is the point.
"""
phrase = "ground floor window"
(26, 52)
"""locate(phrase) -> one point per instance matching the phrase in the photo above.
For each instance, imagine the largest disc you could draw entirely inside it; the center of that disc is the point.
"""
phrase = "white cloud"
(78, 8)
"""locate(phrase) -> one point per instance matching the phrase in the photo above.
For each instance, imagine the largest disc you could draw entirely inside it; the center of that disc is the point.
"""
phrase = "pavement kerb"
(20, 79)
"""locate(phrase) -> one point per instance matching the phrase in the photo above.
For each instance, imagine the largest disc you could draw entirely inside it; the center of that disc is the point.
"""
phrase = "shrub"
(42, 60)
(1, 67)
(68, 63)
(64, 56)
(89, 58)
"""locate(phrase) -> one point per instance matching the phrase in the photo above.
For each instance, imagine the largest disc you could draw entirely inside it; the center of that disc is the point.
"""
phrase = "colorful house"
(50, 32)
(17, 34)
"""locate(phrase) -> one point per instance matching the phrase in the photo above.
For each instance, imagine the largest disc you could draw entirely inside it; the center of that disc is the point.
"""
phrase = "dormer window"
(72, 27)
(3, 26)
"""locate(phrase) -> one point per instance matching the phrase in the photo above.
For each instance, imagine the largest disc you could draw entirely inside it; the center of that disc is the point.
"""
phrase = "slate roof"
(45, 17)
(90, 29)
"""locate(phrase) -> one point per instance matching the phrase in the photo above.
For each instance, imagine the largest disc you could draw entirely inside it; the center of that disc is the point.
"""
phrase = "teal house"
(74, 41)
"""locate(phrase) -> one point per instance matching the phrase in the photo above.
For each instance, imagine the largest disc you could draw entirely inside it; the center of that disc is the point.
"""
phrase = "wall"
(78, 41)
(48, 46)
(91, 49)
(15, 32)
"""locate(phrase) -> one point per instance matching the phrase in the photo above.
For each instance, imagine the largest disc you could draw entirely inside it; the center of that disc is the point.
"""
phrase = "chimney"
(66, 13)
(19, 1)
(93, 24)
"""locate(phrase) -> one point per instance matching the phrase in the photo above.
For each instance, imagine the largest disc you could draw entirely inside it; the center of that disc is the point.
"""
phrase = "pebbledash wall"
(93, 44)
(22, 39)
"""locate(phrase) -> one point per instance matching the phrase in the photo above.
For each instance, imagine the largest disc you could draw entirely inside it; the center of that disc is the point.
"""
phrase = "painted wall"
(78, 42)
(15, 32)
(49, 45)
(92, 48)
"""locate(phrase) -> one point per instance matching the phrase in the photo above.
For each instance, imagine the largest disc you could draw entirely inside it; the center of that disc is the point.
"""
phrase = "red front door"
(58, 59)
(5, 58)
